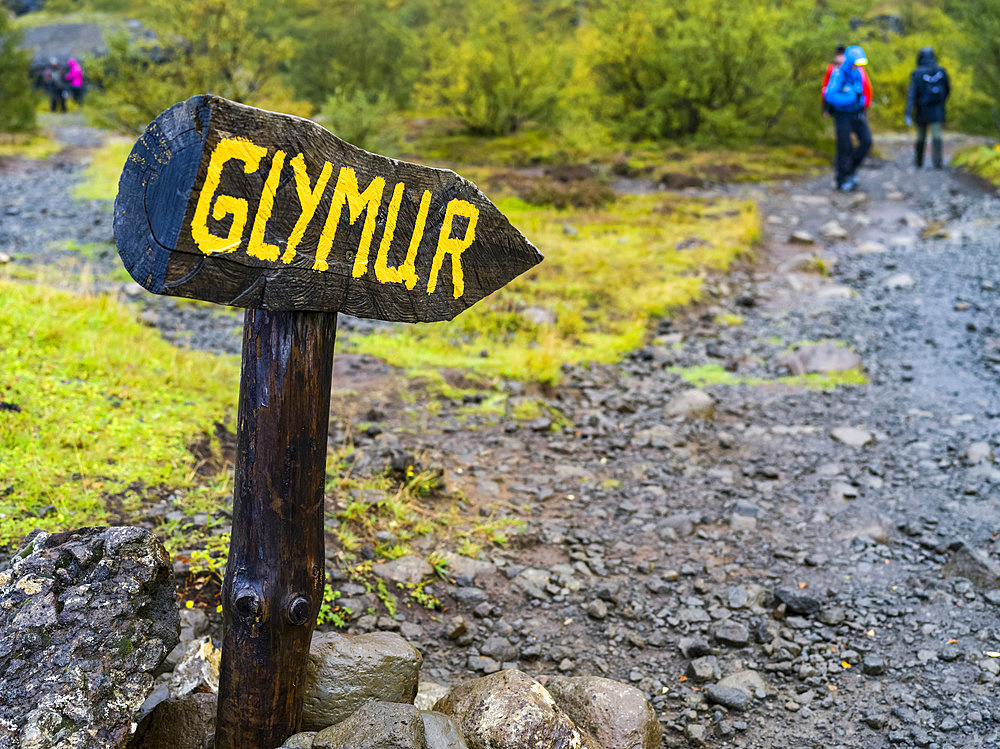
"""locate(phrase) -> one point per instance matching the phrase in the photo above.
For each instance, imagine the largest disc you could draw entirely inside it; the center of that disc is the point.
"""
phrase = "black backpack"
(931, 88)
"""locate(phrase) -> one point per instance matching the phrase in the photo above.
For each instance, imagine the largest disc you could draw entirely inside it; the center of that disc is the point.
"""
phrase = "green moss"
(600, 286)
(713, 374)
(28, 146)
(100, 181)
(99, 405)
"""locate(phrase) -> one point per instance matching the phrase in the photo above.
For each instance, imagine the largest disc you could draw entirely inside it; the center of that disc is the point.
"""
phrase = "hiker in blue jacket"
(845, 94)
(929, 89)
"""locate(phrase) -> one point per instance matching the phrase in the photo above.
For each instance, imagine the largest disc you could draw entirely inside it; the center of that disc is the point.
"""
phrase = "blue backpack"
(844, 92)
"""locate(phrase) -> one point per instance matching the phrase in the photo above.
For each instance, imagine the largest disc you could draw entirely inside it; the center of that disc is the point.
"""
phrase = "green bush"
(17, 101)
(369, 121)
(201, 46)
(497, 65)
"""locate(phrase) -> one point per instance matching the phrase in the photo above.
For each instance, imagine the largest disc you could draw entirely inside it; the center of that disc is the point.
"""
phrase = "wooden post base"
(275, 575)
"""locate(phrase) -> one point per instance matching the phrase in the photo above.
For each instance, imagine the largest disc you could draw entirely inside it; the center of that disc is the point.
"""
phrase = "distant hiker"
(929, 89)
(838, 60)
(74, 80)
(845, 93)
(54, 80)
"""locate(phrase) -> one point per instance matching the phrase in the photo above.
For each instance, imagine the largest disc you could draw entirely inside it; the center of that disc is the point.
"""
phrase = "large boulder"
(510, 710)
(86, 617)
(180, 723)
(617, 715)
(376, 725)
(344, 672)
(690, 404)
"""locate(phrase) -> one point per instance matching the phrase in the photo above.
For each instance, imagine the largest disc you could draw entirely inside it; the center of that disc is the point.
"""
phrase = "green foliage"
(348, 48)
(983, 161)
(713, 374)
(17, 100)
(496, 65)
(719, 69)
(219, 46)
(100, 180)
(980, 53)
(329, 611)
(369, 121)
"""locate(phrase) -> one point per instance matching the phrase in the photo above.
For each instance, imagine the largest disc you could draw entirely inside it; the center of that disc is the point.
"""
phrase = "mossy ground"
(100, 412)
(606, 274)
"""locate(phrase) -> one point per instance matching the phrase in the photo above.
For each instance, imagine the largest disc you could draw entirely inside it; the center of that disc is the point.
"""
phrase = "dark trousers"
(850, 156)
(936, 144)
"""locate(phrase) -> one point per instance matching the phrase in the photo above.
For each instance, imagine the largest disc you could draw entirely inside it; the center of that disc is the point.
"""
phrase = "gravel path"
(799, 568)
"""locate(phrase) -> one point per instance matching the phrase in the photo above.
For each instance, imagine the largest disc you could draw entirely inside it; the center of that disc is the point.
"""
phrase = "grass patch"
(100, 179)
(98, 410)
(606, 274)
(983, 161)
(28, 146)
(713, 374)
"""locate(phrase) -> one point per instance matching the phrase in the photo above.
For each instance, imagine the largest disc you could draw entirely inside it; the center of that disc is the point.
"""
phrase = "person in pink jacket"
(74, 80)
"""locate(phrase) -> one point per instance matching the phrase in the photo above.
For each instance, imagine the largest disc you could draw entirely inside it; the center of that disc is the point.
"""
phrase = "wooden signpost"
(255, 209)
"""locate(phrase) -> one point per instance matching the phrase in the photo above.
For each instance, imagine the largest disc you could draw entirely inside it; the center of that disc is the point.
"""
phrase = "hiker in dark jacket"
(845, 93)
(929, 89)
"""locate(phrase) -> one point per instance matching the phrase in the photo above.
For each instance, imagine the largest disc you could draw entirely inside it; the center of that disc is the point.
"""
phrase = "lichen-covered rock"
(186, 722)
(86, 616)
(343, 672)
(510, 710)
(376, 725)
(617, 715)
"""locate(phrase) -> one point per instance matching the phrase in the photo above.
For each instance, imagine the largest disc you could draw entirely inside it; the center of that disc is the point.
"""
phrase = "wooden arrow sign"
(236, 205)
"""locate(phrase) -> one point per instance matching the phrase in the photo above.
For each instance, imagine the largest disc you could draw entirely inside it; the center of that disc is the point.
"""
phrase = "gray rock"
(833, 230)
(462, 566)
(796, 602)
(615, 714)
(539, 315)
(343, 672)
(86, 617)
(441, 732)
(658, 436)
(899, 281)
(734, 699)
(731, 633)
(979, 452)
(597, 609)
(499, 648)
(179, 723)
(852, 436)
(198, 670)
(533, 581)
(801, 237)
(870, 248)
(691, 404)
(748, 681)
(973, 565)
(873, 664)
(703, 669)
(510, 710)
(407, 569)
(429, 692)
(820, 357)
(376, 725)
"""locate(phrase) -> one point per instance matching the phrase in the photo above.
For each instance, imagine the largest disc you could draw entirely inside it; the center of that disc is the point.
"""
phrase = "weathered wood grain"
(241, 206)
(275, 575)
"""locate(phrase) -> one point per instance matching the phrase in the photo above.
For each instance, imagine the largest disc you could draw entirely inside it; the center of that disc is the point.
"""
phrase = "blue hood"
(854, 55)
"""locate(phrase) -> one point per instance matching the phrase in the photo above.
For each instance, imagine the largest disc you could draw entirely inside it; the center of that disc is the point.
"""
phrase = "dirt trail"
(847, 575)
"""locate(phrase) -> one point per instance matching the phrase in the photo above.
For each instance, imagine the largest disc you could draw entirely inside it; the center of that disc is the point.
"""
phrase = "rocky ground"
(773, 567)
